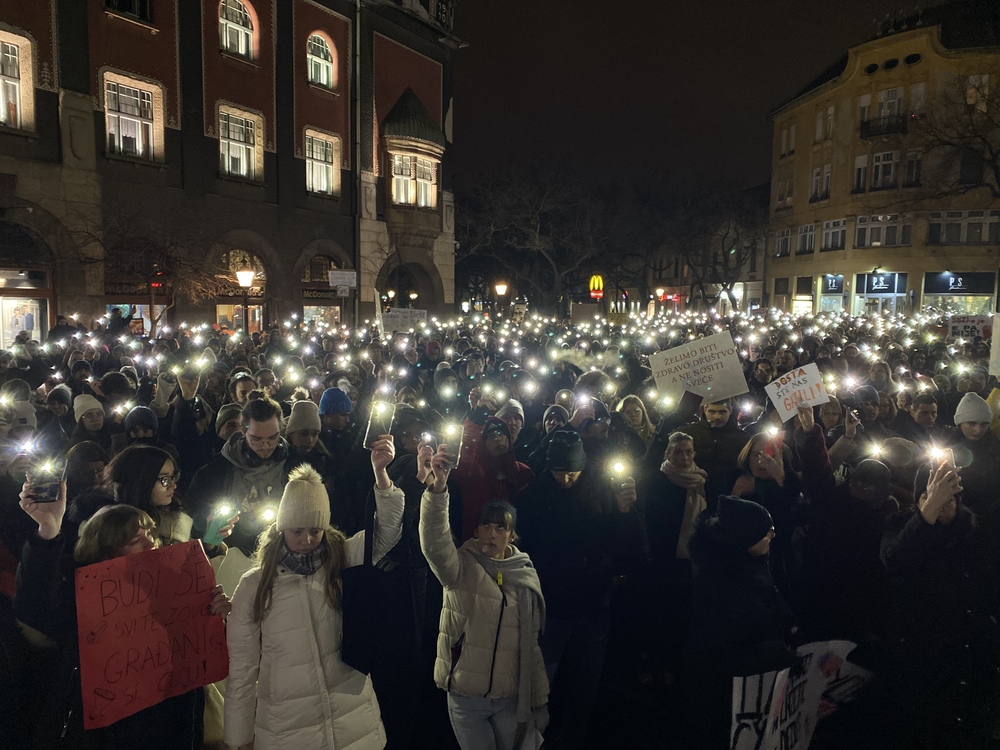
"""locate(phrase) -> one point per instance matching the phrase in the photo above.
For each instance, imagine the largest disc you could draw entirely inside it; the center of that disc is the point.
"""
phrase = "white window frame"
(977, 227)
(884, 230)
(918, 98)
(320, 62)
(884, 170)
(322, 152)
(864, 108)
(913, 168)
(17, 83)
(782, 243)
(829, 121)
(241, 150)
(403, 187)
(806, 242)
(425, 173)
(236, 33)
(129, 117)
(977, 88)
(827, 179)
(890, 102)
(819, 126)
(784, 141)
(860, 174)
(816, 177)
(834, 234)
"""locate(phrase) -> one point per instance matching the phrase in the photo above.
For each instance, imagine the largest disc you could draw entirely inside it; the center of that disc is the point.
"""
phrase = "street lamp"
(501, 289)
(245, 278)
(391, 294)
(413, 298)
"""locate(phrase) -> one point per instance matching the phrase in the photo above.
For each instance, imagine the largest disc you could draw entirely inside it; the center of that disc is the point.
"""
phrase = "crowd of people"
(543, 513)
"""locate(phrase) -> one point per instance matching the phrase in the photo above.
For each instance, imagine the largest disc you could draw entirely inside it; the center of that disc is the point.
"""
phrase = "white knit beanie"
(84, 403)
(304, 416)
(304, 503)
(513, 406)
(973, 408)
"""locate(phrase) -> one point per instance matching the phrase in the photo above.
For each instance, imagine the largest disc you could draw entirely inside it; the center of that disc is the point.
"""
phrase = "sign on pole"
(803, 385)
(145, 633)
(343, 278)
(709, 367)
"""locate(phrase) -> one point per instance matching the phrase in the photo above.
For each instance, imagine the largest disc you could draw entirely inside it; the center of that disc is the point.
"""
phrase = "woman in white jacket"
(488, 658)
(288, 687)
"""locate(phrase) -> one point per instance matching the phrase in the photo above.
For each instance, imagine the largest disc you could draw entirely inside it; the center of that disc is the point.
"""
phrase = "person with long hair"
(287, 685)
(637, 418)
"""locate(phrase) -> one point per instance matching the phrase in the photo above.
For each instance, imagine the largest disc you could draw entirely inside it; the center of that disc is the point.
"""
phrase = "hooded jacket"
(479, 644)
(238, 477)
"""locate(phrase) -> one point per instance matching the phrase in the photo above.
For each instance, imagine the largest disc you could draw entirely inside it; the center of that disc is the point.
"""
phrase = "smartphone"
(428, 438)
(618, 470)
(773, 446)
(451, 434)
(45, 478)
(219, 519)
(379, 422)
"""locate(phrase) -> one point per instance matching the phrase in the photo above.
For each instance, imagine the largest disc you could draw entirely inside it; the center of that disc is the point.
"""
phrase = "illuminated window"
(402, 179)
(129, 120)
(235, 29)
(426, 183)
(10, 85)
(236, 145)
(322, 163)
(319, 58)
(414, 181)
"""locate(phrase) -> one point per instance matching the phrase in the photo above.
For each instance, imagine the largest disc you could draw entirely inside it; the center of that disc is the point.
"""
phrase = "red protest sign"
(144, 630)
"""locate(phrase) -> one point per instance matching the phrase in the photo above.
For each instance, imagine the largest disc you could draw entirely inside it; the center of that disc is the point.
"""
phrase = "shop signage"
(833, 283)
(236, 291)
(343, 278)
(320, 294)
(880, 283)
(129, 289)
(956, 282)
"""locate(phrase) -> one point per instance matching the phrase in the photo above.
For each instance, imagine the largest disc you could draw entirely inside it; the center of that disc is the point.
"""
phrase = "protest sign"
(970, 326)
(995, 347)
(145, 633)
(709, 367)
(803, 385)
(402, 319)
(779, 710)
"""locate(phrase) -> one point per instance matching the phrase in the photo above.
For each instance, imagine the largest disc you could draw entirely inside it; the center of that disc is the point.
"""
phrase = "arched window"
(235, 29)
(236, 259)
(318, 269)
(322, 65)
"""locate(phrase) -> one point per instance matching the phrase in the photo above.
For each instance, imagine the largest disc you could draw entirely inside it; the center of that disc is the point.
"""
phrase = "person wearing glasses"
(248, 476)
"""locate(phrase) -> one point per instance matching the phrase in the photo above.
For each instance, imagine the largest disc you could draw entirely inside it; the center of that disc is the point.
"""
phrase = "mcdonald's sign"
(596, 287)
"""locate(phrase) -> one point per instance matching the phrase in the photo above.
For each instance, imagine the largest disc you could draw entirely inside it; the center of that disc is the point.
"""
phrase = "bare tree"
(543, 228)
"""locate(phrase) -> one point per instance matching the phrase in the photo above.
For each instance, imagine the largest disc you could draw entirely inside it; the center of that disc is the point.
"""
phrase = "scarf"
(694, 482)
(518, 572)
(303, 565)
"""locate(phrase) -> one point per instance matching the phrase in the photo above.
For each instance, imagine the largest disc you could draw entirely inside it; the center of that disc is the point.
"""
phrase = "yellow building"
(873, 208)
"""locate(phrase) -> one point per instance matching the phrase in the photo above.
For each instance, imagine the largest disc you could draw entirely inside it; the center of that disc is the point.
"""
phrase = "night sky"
(678, 86)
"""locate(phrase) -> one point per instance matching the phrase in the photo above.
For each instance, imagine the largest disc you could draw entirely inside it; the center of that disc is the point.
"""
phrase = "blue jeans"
(483, 723)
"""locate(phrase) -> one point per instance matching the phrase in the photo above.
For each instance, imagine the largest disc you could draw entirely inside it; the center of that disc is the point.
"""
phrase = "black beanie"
(743, 522)
(565, 452)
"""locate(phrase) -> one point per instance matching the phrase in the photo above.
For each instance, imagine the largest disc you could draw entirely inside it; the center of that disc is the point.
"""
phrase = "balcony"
(880, 126)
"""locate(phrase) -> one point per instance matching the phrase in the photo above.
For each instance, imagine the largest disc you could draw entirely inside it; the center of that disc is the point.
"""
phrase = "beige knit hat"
(84, 403)
(304, 503)
(304, 416)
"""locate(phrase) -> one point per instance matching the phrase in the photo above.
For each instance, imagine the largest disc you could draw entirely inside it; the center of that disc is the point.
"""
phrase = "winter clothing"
(143, 417)
(287, 686)
(492, 613)
(335, 401)
(84, 403)
(742, 523)
(304, 416)
(565, 452)
(973, 408)
(304, 502)
(511, 407)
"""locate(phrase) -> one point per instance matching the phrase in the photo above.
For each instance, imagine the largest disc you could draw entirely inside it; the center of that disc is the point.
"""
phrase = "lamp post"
(501, 289)
(245, 278)
(413, 298)
(391, 294)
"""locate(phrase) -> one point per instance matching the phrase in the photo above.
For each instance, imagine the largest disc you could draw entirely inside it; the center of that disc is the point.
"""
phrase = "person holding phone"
(287, 685)
(45, 603)
(488, 658)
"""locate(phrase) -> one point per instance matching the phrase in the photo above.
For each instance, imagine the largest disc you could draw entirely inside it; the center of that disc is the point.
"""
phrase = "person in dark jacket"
(740, 625)
(718, 442)
(575, 525)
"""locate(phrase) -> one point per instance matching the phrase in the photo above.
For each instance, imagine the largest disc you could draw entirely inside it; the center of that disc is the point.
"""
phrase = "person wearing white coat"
(288, 687)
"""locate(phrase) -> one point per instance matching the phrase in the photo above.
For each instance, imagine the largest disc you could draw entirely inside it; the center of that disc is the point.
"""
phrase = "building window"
(819, 126)
(834, 234)
(781, 286)
(860, 174)
(236, 146)
(235, 29)
(912, 176)
(753, 261)
(918, 99)
(137, 8)
(414, 181)
(10, 85)
(816, 177)
(782, 243)
(807, 239)
(825, 187)
(829, 122)
(784, 141)
(890, 102)
(317, 270)
(977, 90)
(803, 286)
(963, 228)
(884, 230)
(883, 170)
(864, 108)
(322, 164)
(791, 139)
(129, 120)
(319, 58)
(970, 168)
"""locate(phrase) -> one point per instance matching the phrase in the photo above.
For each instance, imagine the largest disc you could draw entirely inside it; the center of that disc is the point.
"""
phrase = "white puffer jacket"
(287, 686)
(478, 647)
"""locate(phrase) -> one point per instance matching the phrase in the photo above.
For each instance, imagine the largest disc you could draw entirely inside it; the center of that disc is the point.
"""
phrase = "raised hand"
(48, 516)
(442, 463)
(383, 451)
(806, 417)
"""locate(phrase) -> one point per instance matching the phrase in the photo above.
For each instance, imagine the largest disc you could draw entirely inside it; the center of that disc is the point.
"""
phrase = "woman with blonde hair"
(287, 684)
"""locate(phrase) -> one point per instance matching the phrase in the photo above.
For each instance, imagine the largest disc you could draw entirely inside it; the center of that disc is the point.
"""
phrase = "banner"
(779, 710)
(402, 319)
(970, 326)
(995, 347)
(803, 385)
(709, 367)
(144, 631)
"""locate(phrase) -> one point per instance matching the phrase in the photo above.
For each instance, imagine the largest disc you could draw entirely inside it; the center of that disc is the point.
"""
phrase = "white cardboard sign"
(709, 367)
(803, 385)
(995, 347)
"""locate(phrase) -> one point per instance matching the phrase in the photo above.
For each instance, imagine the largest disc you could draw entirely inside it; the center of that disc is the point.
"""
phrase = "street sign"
(343, 278)
(343, 291)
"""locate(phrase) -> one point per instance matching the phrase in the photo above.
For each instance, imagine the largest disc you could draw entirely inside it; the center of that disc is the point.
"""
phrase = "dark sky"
(682, 86)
